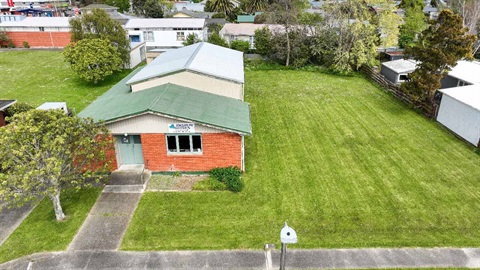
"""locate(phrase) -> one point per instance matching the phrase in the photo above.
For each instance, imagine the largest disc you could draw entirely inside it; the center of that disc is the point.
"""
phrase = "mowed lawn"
(345, 164)
(35, 77)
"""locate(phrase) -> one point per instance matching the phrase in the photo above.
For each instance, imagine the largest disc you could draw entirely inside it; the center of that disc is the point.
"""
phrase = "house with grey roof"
(166, 33)
(182, 112)
(4, 104)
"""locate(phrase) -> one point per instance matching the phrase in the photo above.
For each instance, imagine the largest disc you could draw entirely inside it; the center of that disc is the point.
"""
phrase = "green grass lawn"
(41, 232)
(36, 77)
(345, 164)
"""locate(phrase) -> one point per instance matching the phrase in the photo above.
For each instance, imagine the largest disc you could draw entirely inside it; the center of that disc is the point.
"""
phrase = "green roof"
(247, 18)
(174, 101)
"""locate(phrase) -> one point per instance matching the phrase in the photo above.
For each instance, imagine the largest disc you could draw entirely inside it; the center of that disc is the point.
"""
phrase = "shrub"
(230, 176)
(26, 45)
(234, 183)
(218, 16)
(18, 107)
(240, 45)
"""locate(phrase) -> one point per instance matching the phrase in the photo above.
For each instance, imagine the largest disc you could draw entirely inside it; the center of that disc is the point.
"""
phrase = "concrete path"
(296, 259)
(108, 220)
(10, 219)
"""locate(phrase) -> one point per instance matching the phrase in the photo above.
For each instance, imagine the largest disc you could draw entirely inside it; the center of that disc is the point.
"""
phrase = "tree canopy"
(122, 5)
(148, 8)
(43, 152)
(439, 48)
(98, 25)
(414, 22)
(93, 59)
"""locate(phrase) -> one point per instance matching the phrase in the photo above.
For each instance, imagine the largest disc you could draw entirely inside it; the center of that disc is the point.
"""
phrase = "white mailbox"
(288, 235)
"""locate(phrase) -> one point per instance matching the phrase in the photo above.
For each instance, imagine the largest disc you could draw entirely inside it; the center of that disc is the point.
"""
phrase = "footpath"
(242, 259)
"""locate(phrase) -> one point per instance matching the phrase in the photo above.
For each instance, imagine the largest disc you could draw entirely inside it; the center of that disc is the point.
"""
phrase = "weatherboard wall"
(150, 123)
(196, 81)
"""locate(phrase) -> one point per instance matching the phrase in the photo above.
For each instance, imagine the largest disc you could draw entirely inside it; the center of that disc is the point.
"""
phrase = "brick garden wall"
(40, 39)
(219, 150)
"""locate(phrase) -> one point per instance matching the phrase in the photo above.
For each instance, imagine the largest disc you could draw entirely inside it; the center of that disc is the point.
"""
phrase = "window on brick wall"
(42, 29)
(184, 143)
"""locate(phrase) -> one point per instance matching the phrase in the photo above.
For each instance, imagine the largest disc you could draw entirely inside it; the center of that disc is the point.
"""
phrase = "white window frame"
(178, 152)
(180, 36)
(148, 36)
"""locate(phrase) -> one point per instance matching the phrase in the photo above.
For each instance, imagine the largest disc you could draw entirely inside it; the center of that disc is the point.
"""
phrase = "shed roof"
(203, 57)
(6, 103)
(173, 101)
(38, 22)
(469, 95)
(166, 23)
(401, 65)
(468, 71)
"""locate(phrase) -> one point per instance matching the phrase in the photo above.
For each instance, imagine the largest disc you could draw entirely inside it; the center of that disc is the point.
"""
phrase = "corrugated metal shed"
(204, 58)
(401, 65)
(468, 71)
(460, 112)
(6, 103)
(39, 22)
(165, 23)
(172, 101)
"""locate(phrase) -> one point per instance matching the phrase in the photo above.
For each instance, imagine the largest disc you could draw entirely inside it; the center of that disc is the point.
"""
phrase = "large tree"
(93, 59)
(414, 22)
(222, 6)
(122, 5)
(43, 152)
(99, 25)
(149, 8)
(347, 38)
(256, 5)
(438, 49)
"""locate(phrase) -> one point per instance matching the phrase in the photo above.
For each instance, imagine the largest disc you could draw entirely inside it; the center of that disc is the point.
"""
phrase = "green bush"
(209, 184)
(18, 107)
(240, 45)
(218, 16)
(26, 45)
(234, 183)
(230, 176)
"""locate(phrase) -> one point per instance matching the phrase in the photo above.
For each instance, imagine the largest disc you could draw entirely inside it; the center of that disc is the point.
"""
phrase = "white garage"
(460, 112)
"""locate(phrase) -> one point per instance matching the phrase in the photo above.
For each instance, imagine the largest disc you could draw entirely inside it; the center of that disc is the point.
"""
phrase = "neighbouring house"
(249, 18)
(397, 71)
(111, 11)
(177, 113)
(11, 18)
(164, 33)
(137, 53)
(16, 5)
(244, 31)
(459, 111)
(4, 104)
(185, 13)
(39, 32)
(464, 73)
(190, 6)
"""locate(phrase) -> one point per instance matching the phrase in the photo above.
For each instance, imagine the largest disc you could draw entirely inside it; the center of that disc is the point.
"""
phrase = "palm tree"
(222, 6)
(256, 5)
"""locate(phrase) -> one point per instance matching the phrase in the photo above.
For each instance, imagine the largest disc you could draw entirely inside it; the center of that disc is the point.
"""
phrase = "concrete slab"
(107, 222)
(128, 178)
(11, 218)
(253, 259)
(124, 189)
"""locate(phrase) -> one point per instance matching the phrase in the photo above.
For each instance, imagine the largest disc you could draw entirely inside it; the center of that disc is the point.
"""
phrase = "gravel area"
(173, 183)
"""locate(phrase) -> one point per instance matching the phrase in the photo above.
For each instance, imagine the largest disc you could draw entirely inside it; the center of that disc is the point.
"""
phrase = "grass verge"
(35, 77)
(41, 232)
(344, 163)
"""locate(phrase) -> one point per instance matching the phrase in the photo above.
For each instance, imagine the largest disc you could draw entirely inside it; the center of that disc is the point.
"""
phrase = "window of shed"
(403, 77)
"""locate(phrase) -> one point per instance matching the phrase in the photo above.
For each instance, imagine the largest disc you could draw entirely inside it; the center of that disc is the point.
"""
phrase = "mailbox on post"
(287, 236)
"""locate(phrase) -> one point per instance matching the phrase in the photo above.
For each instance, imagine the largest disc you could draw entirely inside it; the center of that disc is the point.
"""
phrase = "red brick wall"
(219, 150)
(40, 39)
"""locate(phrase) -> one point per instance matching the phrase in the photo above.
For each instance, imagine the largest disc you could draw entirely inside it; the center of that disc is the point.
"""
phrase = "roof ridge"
(190, 60)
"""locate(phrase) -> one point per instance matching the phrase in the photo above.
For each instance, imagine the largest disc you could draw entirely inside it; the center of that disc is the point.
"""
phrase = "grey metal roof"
(165, 23)
(6, 103)
(468, 71)
(203, 57)
(401, 65)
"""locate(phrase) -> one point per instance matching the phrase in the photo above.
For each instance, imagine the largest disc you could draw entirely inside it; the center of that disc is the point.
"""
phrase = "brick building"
(39, 32)
(182, 112)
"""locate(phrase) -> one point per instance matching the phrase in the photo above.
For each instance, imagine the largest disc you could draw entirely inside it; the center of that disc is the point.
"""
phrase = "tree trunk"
(288, 49)
(56, 205)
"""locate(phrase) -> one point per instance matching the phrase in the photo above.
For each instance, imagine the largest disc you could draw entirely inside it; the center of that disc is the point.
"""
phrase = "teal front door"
(130, 147)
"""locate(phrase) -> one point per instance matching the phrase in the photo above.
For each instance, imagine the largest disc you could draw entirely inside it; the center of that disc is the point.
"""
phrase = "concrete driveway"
(11, 218)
